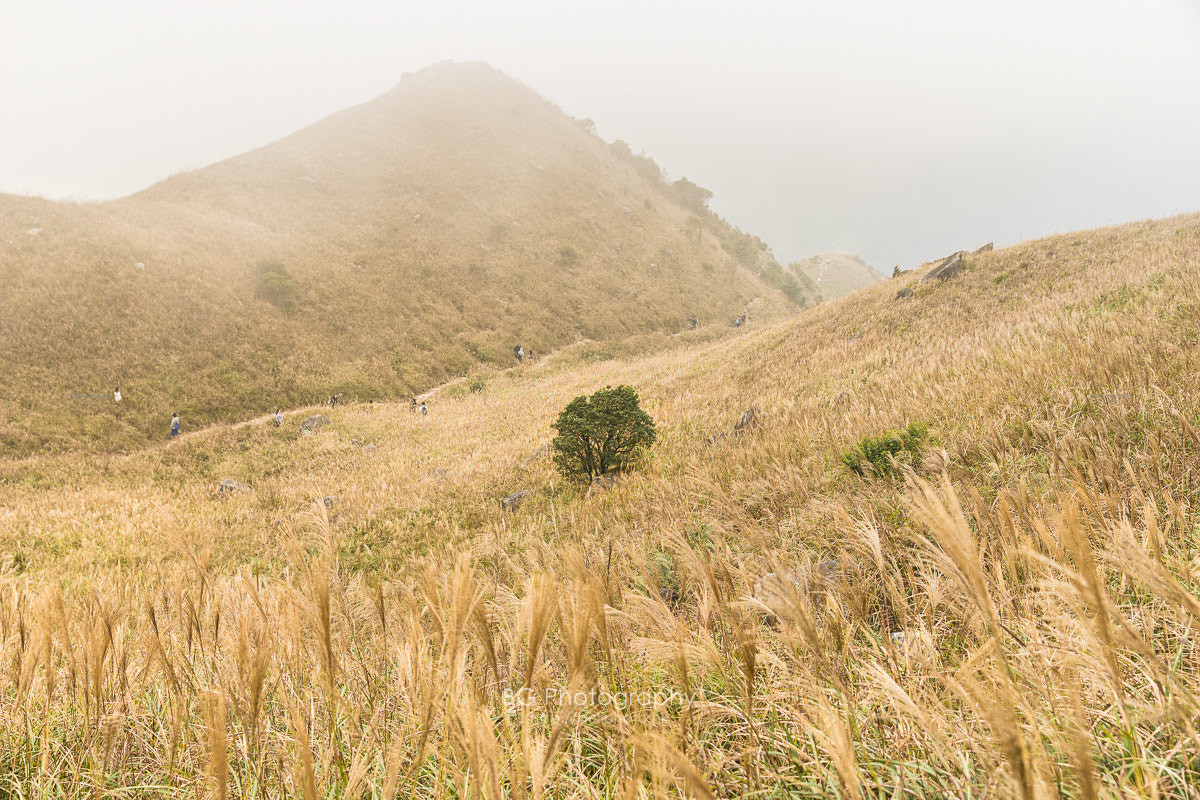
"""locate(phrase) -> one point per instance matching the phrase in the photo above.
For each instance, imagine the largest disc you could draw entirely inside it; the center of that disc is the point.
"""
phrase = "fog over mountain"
(899, 132)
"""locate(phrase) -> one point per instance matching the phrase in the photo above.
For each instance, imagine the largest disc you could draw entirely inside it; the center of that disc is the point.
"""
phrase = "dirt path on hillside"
(268, 418)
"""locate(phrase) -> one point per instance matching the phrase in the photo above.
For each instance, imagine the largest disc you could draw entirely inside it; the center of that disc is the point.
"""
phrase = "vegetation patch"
(275, 285)
(885, 454)
(605, 433)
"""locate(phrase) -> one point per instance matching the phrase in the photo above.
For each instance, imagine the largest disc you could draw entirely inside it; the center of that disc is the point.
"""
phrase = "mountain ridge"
(377, 252)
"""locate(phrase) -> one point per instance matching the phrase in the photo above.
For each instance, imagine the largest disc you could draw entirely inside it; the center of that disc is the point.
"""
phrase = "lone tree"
(604, 433)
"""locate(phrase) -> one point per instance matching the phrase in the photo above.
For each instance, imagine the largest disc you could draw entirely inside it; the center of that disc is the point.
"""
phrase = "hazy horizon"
(896, 133)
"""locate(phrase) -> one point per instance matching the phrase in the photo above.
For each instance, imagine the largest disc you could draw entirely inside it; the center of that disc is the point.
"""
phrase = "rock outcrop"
(750, 419)
(950, 266)
(230, 486)
(777, 591)
(514, 500)
(314, 423)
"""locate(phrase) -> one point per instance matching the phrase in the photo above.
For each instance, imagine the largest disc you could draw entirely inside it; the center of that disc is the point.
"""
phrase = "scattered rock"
(535, 456)
(514, 500)
(905, 292)
(946, 270)
(716, 437)
(602, 483)
(750, 419)
(330, 501)
(772, 589)
(987, 248)
(369, 448)
(230, 486)
(842, 399)
(436, 472)
(314, 423)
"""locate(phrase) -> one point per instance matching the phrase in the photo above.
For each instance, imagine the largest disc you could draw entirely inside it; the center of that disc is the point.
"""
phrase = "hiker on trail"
(519, 352)
(174, 424)
(279, 418)
(117, 395)
(333, 401)
(413, 407)
(692, 323)
(370, 405)
(424, 409)
(737, 322)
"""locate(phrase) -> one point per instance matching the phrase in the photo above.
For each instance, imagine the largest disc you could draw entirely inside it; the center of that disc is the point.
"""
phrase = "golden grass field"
(1011, 617)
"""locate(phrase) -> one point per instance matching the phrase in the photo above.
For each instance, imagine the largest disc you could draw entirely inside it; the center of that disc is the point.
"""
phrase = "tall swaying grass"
(1009, 616)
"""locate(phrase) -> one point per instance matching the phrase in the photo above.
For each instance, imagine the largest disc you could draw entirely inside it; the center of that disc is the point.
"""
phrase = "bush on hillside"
(568, 256)
(882, 455)
(607, 432)
(786, 282)
(690, 196)
(647, 166)
(275, 285)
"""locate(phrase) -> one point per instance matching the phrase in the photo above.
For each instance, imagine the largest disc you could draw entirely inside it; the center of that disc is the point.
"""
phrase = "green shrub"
(275, 285)
(607, 432)
(690, 196)
(880, 455)
(568, 256)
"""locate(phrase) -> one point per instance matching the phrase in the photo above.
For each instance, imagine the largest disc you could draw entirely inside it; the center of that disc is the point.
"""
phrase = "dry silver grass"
(1015, 620)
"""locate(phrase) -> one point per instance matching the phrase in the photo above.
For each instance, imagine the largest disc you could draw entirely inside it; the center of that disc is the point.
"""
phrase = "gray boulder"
(903, 293)
(514, 500)
(436, 473)
(314, 423)
(946, 270)
(750, 419)
(602, 483)
(230, 486)
(775, 590)
(369, 448)
(535, 456)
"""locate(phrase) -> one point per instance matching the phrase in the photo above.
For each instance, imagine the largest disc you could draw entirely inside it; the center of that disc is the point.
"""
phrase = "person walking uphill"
(174, 424)
(117, 395)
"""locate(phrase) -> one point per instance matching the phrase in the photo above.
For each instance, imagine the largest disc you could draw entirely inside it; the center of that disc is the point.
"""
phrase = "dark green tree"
(607, 432)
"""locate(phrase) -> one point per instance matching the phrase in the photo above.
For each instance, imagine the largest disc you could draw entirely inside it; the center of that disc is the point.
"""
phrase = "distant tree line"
(687, 194)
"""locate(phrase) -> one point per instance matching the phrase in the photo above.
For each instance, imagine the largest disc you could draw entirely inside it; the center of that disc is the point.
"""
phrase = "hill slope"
(837, 274)
(375, 253)
(1028, 590)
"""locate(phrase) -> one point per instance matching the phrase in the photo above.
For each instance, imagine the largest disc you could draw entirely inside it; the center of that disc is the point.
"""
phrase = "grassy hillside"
(1009, 610)
(836, 274)
(377, 253)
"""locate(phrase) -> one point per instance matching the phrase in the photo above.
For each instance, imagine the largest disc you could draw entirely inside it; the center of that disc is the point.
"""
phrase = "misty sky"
(898, 131)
